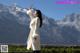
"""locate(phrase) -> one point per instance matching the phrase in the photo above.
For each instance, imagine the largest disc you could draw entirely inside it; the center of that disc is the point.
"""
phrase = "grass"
(45, 49)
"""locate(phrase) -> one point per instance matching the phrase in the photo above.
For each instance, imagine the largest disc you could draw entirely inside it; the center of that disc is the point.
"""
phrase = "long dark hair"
(39, 14)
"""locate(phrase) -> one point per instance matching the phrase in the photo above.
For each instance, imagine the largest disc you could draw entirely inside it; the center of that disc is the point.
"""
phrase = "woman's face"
(31, 12)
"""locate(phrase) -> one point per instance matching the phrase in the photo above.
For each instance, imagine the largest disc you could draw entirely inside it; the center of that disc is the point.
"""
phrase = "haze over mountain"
(14, 27)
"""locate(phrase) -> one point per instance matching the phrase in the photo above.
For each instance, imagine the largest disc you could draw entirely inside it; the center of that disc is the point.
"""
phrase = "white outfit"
(34, 38)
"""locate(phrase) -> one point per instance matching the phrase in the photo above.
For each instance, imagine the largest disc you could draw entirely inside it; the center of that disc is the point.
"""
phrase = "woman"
(36, 22)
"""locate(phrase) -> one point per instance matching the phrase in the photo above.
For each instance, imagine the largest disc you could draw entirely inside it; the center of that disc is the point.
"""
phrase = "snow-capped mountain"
(72, 20)
(14, 27)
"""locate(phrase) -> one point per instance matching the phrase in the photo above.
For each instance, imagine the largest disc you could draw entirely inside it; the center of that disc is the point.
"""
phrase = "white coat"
(34, 38)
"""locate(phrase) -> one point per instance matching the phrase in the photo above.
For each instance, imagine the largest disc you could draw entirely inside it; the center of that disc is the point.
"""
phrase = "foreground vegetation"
(45, 49)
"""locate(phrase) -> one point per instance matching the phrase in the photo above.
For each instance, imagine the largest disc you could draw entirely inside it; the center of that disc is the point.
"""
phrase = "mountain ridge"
(14, 28)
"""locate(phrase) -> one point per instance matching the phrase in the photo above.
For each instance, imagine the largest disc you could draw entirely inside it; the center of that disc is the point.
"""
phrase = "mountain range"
(14, 27)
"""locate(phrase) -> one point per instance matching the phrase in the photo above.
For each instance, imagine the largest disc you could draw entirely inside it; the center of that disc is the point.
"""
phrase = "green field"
(45, 49)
